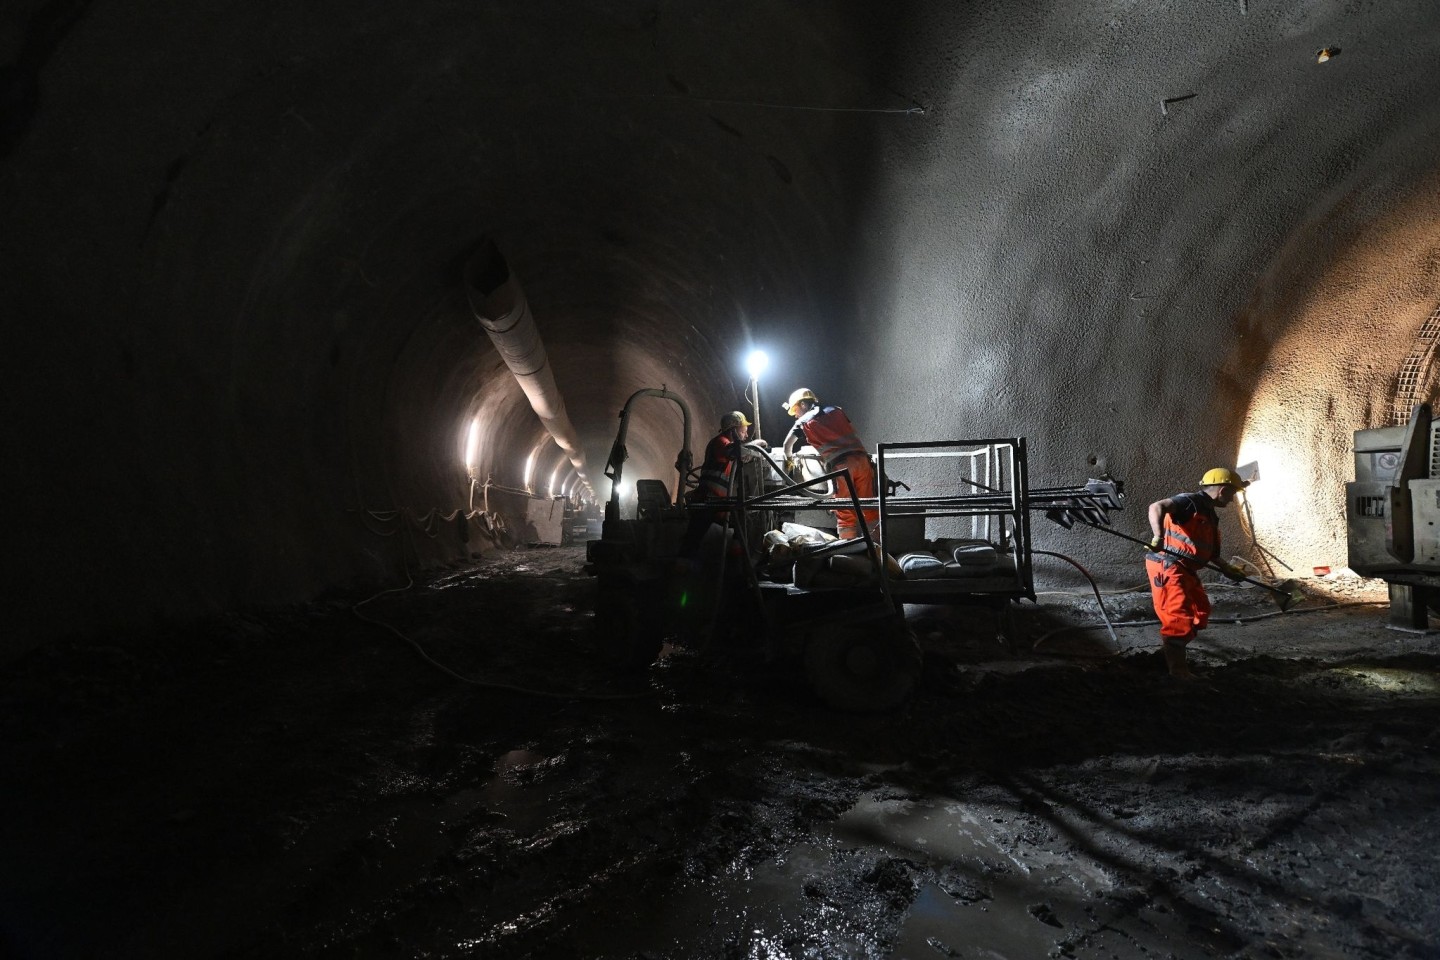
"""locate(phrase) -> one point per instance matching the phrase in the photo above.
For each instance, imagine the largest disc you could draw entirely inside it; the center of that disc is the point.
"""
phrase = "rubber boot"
(1175, 660)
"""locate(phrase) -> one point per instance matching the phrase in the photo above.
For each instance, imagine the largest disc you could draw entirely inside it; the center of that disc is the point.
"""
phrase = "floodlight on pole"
(756, 364)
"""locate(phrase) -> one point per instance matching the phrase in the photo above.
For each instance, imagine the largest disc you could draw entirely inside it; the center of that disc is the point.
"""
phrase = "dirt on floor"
(452, 770)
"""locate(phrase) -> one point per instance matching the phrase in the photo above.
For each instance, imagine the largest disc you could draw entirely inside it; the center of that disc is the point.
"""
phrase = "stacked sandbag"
(951, 557)
(809, 557)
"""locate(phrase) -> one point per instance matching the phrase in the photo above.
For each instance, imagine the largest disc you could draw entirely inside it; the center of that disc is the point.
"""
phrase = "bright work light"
(757, 363)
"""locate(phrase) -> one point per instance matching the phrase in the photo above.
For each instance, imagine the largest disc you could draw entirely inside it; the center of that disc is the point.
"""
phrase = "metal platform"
(953, 489)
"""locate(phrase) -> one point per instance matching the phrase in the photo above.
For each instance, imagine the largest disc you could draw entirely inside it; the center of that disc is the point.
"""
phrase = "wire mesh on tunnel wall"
(1417, 374)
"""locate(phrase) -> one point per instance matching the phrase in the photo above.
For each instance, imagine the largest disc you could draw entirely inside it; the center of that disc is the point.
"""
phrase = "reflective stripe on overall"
(1181, 603)
(833, 436)
(719, 464)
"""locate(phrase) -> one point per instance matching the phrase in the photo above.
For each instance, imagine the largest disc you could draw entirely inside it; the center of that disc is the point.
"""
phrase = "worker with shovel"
(1185, 537)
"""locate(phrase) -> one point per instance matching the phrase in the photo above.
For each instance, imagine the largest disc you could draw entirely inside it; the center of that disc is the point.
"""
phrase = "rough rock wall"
(1146, 236)
(236, 349)
(1156, 241)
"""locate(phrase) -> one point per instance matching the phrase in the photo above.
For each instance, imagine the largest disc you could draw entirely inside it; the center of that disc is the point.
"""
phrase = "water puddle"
(761, 913)
(997, 897)
(991, 900)
(514, 792)
(987, 884)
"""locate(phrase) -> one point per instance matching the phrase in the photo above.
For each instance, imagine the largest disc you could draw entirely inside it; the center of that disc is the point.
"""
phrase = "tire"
(628, 640)
(863, 668)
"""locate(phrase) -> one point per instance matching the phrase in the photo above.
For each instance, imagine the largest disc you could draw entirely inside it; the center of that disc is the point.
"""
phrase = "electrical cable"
(485, 684)
(1259, 548)
(914, 110)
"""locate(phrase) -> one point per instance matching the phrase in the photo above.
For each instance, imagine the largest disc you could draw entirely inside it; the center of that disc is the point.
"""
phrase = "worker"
(830, 432)
(721, 454)
(1185, 536)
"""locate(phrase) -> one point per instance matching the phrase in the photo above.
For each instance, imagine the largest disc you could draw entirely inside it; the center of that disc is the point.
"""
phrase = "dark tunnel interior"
(236, 244)
(259, 265)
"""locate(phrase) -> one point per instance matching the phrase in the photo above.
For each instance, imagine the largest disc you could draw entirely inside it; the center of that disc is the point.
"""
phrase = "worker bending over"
(830, 432)
(1185, 536)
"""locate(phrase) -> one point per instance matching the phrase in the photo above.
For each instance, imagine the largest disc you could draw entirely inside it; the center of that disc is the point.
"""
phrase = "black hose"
(1093, 586)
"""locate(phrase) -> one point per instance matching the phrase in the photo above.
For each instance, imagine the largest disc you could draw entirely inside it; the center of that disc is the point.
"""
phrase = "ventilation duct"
(499, 304)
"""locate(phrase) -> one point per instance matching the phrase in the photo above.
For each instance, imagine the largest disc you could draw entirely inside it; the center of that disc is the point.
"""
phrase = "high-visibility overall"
(719, 463)
(1180, 599)
(721, 453)
(831, 433)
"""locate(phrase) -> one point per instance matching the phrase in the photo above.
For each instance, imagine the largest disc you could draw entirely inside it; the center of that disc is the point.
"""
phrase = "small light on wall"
(530, 468)
(1326, 54)
(472, 447)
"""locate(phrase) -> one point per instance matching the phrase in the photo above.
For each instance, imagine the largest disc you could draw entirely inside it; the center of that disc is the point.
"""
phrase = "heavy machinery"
(1392, 515)
(960, 531)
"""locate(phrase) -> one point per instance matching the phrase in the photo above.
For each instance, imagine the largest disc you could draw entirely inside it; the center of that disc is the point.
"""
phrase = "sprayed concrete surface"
(305, 784)
(1149, 237)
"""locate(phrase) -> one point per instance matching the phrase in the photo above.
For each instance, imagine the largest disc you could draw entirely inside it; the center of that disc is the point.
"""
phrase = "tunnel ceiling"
(238, 348)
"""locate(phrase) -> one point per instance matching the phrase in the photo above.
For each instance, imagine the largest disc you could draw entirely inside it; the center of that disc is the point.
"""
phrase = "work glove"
(790, 465)
(1155, 543)
(1232, 572)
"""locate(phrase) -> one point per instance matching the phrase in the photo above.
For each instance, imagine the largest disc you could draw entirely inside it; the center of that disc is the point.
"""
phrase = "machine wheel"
(863, 667)
(627, 638)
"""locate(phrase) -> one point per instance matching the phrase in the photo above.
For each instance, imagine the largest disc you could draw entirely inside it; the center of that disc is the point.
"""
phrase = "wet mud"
(455, 770)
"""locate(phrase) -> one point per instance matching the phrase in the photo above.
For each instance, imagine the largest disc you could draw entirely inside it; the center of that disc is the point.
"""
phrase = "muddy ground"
(311, 783)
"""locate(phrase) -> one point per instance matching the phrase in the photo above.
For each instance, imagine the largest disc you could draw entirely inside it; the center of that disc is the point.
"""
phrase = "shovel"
(1287, 593)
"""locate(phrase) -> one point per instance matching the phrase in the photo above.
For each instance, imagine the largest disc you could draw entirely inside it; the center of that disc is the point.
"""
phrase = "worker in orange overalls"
(830, 432)
(723, 451)
(1187, 528)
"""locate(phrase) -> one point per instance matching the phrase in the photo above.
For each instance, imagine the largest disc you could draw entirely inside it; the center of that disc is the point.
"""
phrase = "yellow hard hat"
(804, 393)
(735, 418)
(1222, 477)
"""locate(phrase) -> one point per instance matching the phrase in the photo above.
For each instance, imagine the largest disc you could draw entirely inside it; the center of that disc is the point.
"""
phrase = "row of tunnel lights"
(755, 364)
(557, 486)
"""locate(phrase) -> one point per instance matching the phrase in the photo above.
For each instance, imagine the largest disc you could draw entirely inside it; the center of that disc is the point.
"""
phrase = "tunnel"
(307, 303)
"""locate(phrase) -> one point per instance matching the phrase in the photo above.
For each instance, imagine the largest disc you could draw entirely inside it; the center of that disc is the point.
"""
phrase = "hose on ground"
(1093, 585)
(1111, 625)
(485, 684)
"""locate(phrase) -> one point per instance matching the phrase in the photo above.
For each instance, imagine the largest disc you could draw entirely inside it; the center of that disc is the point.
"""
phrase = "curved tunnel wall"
(1342, 333)
(241, 368)
(1120, 309)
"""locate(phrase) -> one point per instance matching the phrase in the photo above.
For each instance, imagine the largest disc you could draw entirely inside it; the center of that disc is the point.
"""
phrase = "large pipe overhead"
(499, 304)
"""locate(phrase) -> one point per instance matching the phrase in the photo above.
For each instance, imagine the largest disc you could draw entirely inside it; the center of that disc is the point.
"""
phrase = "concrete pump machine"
(1392, 513)
(956, 531)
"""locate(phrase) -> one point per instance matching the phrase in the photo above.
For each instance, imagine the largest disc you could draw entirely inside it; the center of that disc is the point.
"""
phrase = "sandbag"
(967, 553)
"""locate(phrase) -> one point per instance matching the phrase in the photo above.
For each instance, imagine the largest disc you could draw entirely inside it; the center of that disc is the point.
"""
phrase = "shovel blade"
(1287, 594)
